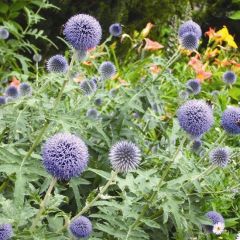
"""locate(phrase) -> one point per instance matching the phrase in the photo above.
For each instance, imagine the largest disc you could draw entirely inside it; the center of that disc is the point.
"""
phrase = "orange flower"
(195, 63)
(211, 53)
(152, 45)
(154, 69)
(123, 82)
(15, 82)
(202, 75)
(87, 63)
(146, 30)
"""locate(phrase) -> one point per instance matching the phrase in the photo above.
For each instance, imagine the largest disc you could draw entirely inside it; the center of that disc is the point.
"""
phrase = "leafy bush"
(168, 195)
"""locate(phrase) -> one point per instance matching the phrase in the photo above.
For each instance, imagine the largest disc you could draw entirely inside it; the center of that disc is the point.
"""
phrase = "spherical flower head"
(124, 156)
(2, 100)
(65, 156)
(189, 41)
(218, 228)
(92, 113)
(220, 156)
(193, 86)
(215, 218)
(12, 91)
(4, 33)
(197, 144)
(25, 89)
(83, 32)
(183, 95)
(229, 77)
(6, 231)
(190, 27)
(231, 120)
(98, 102)
(37, 57)
(195, 117)
(57, 64)
(80, 227)
(88, 87)
(107, 70)
(115, 29)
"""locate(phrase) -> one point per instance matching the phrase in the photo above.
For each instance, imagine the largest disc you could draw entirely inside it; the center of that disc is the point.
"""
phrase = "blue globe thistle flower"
(57, 64)
(92, 113)
(37, 57)
(88, 87)
(195, 117)
(83, 32)
(98, 102)
(190, 27)
(231, 120)
(197, 144)
(80, 227)
(189, 41)
(229, 77)
(113, 92)
(2, 100)
(183, 95)
(25, 89)
(124, 156)
(115, 29)
(107, 70)
(81, 55)
(220, 156)
(215, 218)
(4, 33)
(6, 231)
(12, 91)
(65, 156)
(193, 86)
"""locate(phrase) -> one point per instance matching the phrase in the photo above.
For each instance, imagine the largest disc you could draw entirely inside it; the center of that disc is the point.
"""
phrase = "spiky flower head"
(193, 86)
(98, 101)
(197, 144)
(229, 77)
(92, 113)
(220, 156)
(65, 156)
(189, 41)
(215, 218)
(2, 100)
(231, 120)
(57, 64)
(80, 227)
(183, 95)
(190, 27)
(4, 33)
(83, 32)
(6, 231)
(115, 29)
(37, 57)
(12, 91)
(124, 156)
(25, 89)
(88, 87)
(107, 70)
(218, 228)
(195, 117)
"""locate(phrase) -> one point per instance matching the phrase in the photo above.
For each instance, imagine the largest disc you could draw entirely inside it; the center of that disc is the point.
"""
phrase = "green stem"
(43, 204)
(102, 191)
(154, 194)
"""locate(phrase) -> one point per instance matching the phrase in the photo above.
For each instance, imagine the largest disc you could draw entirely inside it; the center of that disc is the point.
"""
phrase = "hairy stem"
(102, 191)
(43, 204)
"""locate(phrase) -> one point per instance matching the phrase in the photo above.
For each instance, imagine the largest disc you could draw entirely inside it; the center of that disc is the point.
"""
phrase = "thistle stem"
(154, 194)
(102, 191)
(43, 204)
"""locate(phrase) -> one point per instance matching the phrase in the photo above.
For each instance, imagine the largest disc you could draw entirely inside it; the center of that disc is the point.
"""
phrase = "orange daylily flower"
(211, 53)
(203, 75)
(152, 45)
(211, 33)
(195, 63)
(155, 69)
(123, 82)
(87, 63)
(146, 30)
(15, 82)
